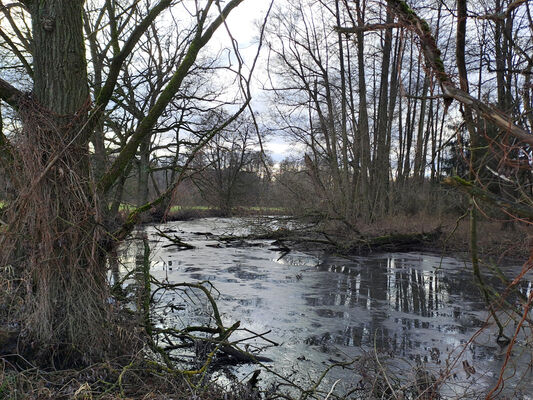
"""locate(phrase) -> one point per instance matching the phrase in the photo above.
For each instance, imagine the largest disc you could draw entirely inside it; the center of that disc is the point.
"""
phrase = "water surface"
(408, 309)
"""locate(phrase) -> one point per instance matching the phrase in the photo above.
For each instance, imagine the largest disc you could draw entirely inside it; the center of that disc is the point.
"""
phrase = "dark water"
(409, 309)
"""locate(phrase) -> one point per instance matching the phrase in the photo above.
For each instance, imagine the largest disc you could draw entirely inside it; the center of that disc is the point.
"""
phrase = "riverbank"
(448, 234)
(497, 241)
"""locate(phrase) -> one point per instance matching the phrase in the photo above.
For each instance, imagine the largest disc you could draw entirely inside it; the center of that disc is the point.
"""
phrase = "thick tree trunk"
(60, 69)
(65, 313)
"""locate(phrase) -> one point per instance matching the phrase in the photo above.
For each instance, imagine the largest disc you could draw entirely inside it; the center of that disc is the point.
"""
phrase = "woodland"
(409, 125)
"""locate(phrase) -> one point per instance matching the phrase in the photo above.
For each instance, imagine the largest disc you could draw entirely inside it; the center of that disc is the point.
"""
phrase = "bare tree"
(229, 168)
(56, 236)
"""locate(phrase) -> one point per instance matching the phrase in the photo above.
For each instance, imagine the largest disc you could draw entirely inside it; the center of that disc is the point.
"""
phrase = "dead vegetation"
(53, 268)
(499, 239)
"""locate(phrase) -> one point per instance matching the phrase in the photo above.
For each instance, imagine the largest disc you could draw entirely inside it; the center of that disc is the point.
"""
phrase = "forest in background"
(345, 84)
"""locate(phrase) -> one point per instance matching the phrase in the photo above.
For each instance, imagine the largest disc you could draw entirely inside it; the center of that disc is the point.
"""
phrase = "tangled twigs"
(499, 384)
(214, 340)
(221, 334)
(52, 240)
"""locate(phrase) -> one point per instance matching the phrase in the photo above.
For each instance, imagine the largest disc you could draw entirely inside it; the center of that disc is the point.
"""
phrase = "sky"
(243, 24)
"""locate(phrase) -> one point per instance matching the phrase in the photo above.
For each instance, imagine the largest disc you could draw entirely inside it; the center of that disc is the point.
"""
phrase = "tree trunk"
(409, 120)
(419, 166)
(364, 132)
(381, 162)
(345, 178)
(60, 69)
(144, 171)
(65, 316)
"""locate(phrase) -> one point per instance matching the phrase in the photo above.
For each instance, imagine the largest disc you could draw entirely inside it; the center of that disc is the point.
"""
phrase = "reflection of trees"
(396, 296)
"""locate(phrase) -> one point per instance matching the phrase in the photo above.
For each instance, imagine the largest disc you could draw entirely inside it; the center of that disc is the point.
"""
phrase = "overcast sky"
(244, 23)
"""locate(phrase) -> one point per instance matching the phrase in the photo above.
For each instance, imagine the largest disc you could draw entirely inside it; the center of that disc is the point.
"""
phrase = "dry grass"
(509, 239)
(117, 379)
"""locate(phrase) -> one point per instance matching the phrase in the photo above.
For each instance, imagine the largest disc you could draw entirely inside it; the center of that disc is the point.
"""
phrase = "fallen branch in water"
(286, 240)
(220, 341)
(175, 338)
(175, 241)
(396, 241)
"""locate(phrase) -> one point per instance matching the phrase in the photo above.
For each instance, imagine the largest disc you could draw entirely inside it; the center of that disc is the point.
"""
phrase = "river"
(402, 311)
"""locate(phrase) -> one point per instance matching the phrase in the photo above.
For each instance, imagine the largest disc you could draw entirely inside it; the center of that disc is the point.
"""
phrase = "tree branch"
(10, 94)
(133, 216)
(433, 59)
(173, 86)
(118, 60)
(5, 10)
(521, 210)
(489, 113)
(501, 16)
(17, 52)
(366, 28)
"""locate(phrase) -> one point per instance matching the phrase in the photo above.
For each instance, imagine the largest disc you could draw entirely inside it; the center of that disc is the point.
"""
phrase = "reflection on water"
(405, 297)
(412, 306)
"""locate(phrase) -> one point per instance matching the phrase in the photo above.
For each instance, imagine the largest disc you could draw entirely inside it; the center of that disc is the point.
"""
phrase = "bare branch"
(17, 52)
(432, 55)
(501, 16)
(163, 100)
(10, 94)
(366, 28)
(5, 10)
(105, 94)
(511, 206)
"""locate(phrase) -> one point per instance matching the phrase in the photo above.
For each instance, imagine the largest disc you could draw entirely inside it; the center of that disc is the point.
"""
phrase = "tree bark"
(381, 163)
(60, 69)
(419, 166)
(363, 133)
(55, 237)
(52, 221)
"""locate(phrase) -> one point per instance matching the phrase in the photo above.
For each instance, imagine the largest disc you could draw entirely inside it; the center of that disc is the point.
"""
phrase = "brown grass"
(131, 378)
(496, 239)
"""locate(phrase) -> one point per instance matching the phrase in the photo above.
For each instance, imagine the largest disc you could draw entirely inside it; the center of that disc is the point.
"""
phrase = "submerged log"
(394, 242)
